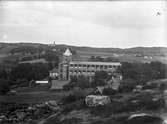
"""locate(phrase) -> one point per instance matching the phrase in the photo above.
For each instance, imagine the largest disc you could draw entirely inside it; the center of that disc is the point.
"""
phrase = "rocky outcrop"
(29, 113)
(97, 100)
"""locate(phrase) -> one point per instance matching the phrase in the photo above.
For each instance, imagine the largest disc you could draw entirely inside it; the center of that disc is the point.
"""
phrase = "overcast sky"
(97, 24)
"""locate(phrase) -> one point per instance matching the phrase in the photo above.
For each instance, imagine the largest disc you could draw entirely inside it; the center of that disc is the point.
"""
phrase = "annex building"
(69, 68)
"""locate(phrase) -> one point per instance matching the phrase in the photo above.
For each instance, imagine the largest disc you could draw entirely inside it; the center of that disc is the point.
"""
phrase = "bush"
(150, 86)
(80, 81)
(127, 85)
(79, 104)
(100, 78)
(151, 102)
(83, 82)
(146, 101)
(109, 91)
(4, 86)
(69, 86)
(22, 83)
(30, 72)
(79, 93)
(76, 94)
(98, 83)
(70, 98)
(108, 110)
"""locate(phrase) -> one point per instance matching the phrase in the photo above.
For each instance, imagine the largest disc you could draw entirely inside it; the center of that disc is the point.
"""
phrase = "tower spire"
(67, 53)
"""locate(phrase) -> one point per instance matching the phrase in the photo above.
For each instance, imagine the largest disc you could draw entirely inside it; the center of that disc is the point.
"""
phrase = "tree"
(143, 72)
(41, 71)
(101, 75)
(83, 82)
(22, 71)
(80, 81)
(100, 78)
(30, 72)
(52, 58)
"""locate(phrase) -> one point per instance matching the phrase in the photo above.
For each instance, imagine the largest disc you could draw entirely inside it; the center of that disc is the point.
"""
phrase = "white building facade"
(69, 68)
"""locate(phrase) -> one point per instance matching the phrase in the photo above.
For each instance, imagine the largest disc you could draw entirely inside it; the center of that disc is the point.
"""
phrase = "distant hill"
(136, 54)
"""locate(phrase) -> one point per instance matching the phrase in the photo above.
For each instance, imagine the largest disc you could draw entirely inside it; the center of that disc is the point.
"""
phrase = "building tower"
(67, 56)
(64, 65)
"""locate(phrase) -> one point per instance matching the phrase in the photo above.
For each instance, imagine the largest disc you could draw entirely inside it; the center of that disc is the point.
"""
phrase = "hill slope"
(136, 54)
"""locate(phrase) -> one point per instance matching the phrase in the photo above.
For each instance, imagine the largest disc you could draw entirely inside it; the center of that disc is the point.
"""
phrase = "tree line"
(21, 75)
(138, 72)
(143, 72)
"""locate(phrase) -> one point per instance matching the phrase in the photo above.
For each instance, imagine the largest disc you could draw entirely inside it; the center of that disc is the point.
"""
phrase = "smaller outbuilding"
(54, 73)
(42, 82)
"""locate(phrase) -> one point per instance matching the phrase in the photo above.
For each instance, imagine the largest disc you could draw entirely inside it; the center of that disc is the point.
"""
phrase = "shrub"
(146, 101)
(76, 94)
(79, 93)
(127, 85)
(83, 82)
(109, 91)
(22, 83)
(70, 98)
(79, 104)
(152, 103)
(69, 86)
(150, 86)
(98, 83)
(100, 78)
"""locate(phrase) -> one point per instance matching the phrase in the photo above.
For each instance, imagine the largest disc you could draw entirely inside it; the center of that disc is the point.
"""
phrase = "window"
(71, 64)
(110, 66)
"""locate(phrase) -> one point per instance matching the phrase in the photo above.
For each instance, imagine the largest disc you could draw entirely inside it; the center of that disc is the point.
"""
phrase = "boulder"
(143, 118)
(97, 100)
(52, 103)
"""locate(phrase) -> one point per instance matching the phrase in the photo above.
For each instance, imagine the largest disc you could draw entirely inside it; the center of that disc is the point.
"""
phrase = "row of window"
(91, 69)
(88, 73)
(81, 71)
(87, 66)
(71, 71)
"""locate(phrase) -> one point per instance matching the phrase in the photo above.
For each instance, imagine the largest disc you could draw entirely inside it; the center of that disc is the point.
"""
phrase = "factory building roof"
(95, 63)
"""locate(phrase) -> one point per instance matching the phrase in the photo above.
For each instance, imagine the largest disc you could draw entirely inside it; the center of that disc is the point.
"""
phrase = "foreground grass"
(76, 112)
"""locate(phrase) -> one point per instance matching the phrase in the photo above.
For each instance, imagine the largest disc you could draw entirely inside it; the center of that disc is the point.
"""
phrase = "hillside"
(136, 54)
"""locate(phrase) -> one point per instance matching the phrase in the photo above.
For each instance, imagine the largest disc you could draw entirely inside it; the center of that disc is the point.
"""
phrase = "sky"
(96, 23)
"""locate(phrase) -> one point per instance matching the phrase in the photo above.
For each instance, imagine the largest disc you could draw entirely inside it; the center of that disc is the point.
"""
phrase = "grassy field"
(33, 95)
